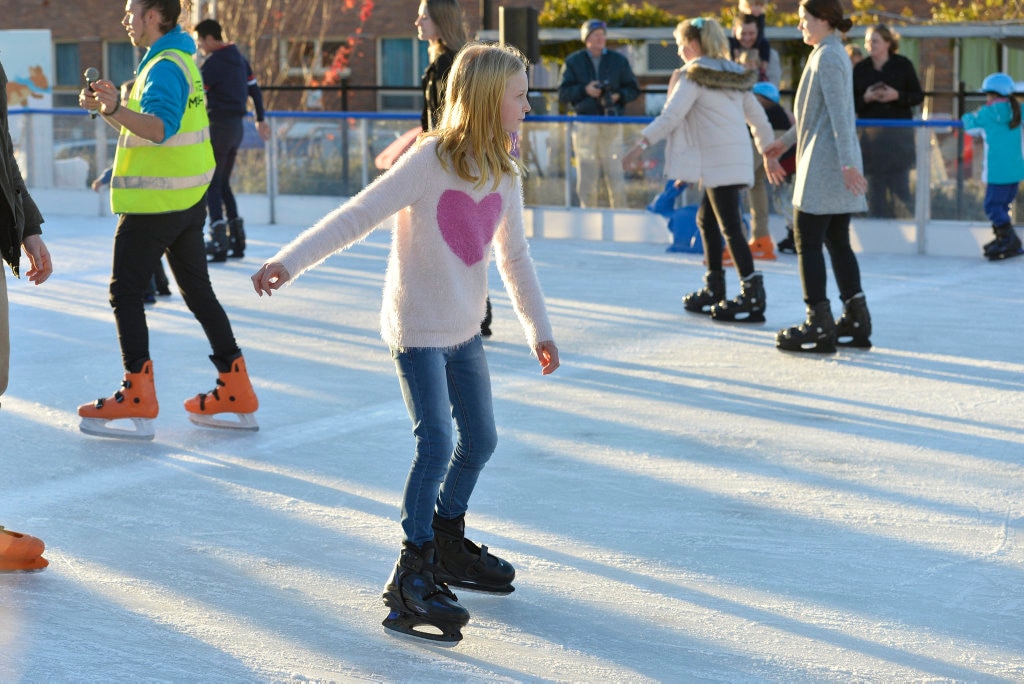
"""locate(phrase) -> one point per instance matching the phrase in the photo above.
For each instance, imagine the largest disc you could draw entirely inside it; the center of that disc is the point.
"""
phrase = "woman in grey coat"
(829, 187)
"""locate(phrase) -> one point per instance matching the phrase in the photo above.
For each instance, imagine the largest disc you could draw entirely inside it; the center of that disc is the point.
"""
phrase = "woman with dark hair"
(885, 86)
(442, 24)
(829, 185)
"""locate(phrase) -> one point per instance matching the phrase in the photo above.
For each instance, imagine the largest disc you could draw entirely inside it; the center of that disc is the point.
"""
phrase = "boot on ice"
(421, 605)
(135, 401)
(233, 394)
(816, 335)
(20, 552)
(463, 564)
(236, 237)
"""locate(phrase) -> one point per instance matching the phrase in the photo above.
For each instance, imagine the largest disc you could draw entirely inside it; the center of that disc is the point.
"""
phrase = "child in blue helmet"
(998, 125)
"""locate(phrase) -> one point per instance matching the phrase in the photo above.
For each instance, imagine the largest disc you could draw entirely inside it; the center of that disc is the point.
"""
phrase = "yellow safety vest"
(151, 178)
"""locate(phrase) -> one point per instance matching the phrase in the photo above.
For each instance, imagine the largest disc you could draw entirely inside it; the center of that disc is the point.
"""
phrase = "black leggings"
(813, 231)
(721, 207)
(139, 242)
(225, 137)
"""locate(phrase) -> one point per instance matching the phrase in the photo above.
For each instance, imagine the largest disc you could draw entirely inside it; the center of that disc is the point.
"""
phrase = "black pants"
(139, 242)
(813, 232)
(225, 137)
(719, 214)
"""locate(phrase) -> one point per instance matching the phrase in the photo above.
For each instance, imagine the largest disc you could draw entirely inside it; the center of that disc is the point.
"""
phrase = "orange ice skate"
(233, 394)
(20, 552)
(762, 248)
(135, 401)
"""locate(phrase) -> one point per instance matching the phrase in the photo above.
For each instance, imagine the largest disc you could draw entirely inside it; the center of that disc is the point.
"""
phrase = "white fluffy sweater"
(436, 283)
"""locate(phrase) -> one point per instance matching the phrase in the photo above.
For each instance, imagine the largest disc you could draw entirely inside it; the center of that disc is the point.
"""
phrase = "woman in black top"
(442, 24)
(885, 86)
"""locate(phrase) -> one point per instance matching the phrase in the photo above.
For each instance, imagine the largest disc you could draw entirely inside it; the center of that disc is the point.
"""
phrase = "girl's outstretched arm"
(270, 277)
(547, 354)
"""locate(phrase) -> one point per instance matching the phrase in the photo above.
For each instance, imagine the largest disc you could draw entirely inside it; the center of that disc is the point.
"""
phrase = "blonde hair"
(450, 22)
(470, 137)
(706, 31)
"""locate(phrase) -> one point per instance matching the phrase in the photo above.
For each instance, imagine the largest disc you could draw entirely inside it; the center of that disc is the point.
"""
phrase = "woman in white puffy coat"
(707, 121)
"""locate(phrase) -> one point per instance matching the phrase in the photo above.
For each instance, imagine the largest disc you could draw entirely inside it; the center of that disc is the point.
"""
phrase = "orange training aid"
(20, 552)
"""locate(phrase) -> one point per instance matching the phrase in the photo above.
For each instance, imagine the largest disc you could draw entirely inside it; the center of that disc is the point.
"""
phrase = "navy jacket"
(229, 83)
(579, 71)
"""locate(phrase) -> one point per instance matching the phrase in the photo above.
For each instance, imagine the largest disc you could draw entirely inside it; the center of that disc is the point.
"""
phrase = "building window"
(401, 62)
(67, 75)
(311, 57)
(121, 62)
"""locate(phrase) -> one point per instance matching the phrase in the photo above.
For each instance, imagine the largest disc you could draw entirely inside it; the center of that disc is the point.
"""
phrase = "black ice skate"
(748, 307)
(1006, 245)
(713, 292)
(816, 335)
(236, 237)
(853, 329)
(463, 564)
(421, 606)
(217, 245)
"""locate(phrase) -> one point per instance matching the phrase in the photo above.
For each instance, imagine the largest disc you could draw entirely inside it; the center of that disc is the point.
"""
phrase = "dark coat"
(19, 215)
(887, 150)
(434, 80)
(579, 71)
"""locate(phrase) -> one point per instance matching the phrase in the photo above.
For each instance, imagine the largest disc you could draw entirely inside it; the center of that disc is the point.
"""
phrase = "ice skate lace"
(118, 395)
(215, 392)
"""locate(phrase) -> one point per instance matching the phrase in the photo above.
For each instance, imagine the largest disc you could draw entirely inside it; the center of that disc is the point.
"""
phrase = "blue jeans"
(440, 385)
(998, 199)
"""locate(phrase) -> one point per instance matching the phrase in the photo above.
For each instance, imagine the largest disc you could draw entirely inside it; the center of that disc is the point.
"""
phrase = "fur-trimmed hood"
(720, 74)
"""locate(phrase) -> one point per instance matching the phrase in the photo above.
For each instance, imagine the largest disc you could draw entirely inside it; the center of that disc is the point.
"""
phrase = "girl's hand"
(854, 180)
(773, 150)
(547, 355)
(632, 160)
(773, 169)
(270, 277)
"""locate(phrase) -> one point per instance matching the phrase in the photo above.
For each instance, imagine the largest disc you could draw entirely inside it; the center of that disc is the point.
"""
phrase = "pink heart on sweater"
(467, 226)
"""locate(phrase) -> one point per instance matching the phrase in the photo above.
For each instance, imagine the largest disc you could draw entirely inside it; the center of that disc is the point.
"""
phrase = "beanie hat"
(590, 26)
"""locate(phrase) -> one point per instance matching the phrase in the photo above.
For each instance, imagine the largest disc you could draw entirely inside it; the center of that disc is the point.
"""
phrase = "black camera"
(607, 102)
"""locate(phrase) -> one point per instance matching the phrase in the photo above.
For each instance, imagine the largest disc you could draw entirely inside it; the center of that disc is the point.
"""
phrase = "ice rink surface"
(682, 502)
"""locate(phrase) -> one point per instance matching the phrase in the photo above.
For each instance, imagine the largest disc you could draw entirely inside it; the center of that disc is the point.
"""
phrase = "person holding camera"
(597, 82)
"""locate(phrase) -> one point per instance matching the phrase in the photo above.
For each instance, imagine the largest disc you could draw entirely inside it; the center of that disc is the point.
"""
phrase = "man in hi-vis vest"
(162, 168)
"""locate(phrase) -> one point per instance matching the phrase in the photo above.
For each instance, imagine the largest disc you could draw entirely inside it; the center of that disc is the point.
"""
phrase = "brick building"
(290, 44)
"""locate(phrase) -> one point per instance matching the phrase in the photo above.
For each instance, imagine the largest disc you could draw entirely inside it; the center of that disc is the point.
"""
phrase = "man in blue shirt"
(229, 83)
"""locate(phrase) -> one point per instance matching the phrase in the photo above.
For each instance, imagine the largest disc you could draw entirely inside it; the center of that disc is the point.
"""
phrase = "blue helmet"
(767, 90)
(998, 83)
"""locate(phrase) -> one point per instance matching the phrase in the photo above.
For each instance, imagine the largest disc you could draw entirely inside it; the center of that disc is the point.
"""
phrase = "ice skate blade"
(854, 343)
(814, 349)
(481, 589)
(99, 427)
(1003, 256)
(752, 318)
(33, 565)
(246, 421)
(413, 627)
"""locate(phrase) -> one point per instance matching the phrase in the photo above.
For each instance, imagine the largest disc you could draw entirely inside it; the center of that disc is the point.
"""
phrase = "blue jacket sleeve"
(165, 95)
